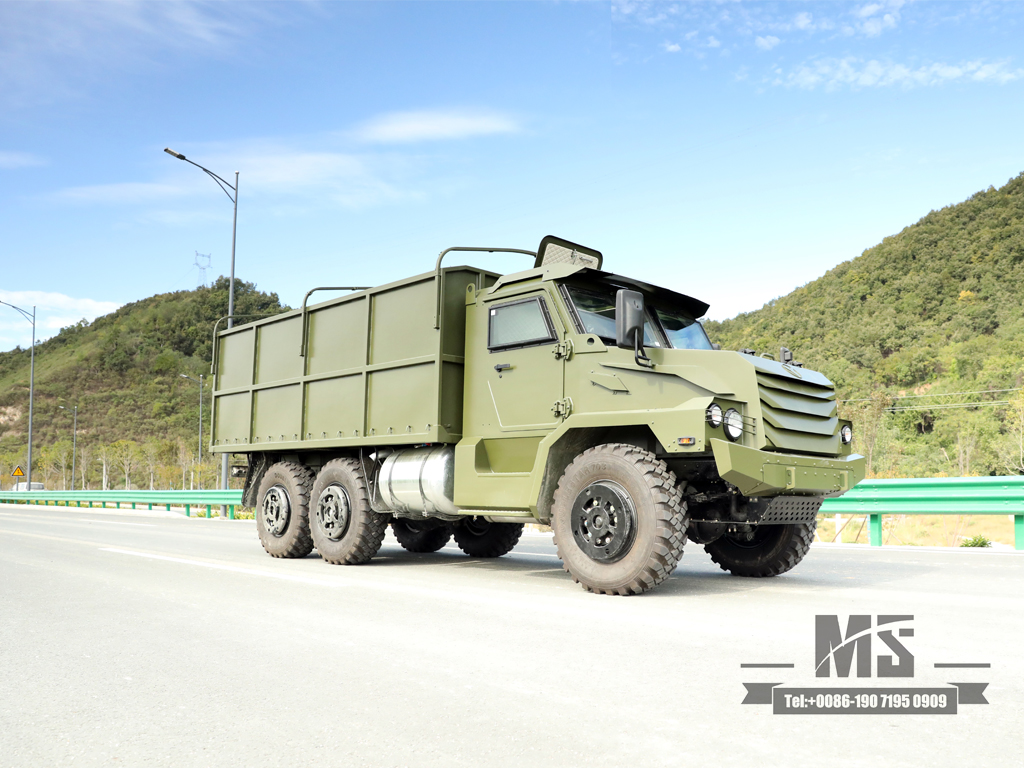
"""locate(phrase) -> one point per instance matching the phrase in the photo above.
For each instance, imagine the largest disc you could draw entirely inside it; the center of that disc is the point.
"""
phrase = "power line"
(941, 406)
(937, 394)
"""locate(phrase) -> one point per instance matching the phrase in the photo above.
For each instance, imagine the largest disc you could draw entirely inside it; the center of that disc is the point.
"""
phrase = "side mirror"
(630, 317)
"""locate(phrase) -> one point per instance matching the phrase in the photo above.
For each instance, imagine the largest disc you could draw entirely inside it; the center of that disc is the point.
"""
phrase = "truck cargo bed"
(376, 370)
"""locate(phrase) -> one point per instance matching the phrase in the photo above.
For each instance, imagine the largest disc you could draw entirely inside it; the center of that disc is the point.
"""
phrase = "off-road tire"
(479, 538)
(419, 536)
(362, 532)
(779, 549)
(660, 517)
(295, 481)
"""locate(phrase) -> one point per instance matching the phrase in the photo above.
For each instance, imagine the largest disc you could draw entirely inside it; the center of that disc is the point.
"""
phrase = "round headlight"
(733, 424)
(846, 434)
(714, 415)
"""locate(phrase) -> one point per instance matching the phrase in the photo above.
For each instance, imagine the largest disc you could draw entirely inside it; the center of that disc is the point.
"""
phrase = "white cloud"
(713, 42)
(433, 125)
(766, 43)
(868, 10)
(127, 192)
(273, 172)
(671, 47)
(851, 72)
(19, 160)
(803, 21)
(53, 312)
(54, 50)
(875, 18)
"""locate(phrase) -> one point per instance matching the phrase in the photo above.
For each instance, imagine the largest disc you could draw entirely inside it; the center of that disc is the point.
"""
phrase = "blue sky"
(729, 150)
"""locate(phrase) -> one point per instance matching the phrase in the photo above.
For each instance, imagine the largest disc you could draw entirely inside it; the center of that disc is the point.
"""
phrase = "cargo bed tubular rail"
(100, 499)
(933, 496)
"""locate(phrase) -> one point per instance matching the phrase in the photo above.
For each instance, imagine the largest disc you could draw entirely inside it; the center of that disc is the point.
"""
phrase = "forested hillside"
(923, 335)
(934, 309)
(123, 371)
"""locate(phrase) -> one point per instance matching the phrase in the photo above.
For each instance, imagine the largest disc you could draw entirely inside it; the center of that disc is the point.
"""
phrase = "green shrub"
(976, 541)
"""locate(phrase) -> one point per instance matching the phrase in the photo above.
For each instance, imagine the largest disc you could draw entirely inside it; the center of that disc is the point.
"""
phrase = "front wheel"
(619, 520)
(768, 551)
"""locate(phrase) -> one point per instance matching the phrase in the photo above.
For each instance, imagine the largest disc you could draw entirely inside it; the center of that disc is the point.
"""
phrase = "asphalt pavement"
(155, 640)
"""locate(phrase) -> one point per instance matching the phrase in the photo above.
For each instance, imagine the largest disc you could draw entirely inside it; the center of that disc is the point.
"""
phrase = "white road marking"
(224, 567)
(115, 522)
(65, 521)
(513, 553)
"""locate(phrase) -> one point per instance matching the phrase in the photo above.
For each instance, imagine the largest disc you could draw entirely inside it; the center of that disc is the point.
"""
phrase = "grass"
(922, 530)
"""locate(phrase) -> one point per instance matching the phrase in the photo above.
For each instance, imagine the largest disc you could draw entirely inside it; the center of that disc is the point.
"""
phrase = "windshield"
(682, 331)
(596, 311)
(595, 308)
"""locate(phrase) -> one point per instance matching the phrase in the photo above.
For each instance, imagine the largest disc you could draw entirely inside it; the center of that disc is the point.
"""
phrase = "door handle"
(502, 367)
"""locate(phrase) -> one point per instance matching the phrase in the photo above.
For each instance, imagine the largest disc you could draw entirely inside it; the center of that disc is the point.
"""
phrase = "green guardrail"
(186, 499)
(873, 498)
(933, 496)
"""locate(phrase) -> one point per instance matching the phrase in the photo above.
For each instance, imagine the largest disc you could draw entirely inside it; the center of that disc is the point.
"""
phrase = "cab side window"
(519, 323)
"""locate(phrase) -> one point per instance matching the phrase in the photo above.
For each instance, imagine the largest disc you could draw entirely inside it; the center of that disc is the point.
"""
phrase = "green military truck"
(463, 403)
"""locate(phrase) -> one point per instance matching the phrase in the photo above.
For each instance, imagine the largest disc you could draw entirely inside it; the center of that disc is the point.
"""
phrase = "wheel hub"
(603, 521)
(276, 510)
(333, 510)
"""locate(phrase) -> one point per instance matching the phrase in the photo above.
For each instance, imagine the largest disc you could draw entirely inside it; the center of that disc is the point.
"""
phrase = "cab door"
(524, 377)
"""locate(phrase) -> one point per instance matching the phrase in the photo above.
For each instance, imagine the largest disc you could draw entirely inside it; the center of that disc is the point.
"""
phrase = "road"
(152, 640)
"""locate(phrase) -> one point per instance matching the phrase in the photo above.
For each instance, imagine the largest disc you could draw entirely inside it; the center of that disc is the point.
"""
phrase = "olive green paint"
(378, 373)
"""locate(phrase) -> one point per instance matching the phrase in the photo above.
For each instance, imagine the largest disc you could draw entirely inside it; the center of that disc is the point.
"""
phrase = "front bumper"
(766, 473)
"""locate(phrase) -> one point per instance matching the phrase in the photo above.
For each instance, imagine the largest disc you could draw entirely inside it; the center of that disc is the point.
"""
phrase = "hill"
(923, 335)
(934, 309)
(123, 371)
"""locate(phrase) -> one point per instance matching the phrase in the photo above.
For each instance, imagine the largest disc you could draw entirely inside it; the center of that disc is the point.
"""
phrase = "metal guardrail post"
(1018, 531)
(876, 530)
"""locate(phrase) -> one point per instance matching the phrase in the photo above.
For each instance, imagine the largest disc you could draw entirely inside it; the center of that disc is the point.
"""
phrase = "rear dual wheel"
(479, 538)
(421, 535)
(331, 512)
(282, 514)
(345, 529)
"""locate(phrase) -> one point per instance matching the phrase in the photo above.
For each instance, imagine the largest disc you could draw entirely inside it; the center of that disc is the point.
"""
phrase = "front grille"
(800, 415)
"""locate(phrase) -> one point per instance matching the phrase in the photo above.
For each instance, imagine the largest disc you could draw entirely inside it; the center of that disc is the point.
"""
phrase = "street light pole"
(231, 323)
(31, 382)
(74, 444)
(225, 186)
(200, 454)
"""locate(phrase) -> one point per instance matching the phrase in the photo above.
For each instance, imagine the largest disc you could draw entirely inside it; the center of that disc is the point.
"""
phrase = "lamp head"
(172, 153)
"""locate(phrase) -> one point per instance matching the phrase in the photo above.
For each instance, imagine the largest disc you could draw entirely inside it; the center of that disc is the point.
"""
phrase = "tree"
(105, 454)
(964, 437)
(184, 459)
(126, 454)
(1010, 448)
(85, 457)
(150, 453)
(59, 457)
(868, 417)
